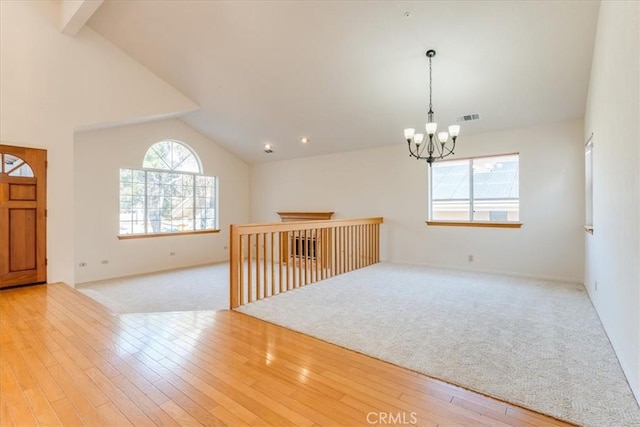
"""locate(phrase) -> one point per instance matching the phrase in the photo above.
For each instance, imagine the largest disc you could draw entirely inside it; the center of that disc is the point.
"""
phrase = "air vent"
(468, 117)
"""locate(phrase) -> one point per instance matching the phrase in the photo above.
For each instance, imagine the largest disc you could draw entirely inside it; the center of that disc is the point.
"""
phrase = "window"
(588, 185)
(483, 189)
(15, 166)
(169, 194)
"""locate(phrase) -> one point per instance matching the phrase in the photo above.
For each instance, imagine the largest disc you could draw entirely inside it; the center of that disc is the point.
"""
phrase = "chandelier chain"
(430, 89)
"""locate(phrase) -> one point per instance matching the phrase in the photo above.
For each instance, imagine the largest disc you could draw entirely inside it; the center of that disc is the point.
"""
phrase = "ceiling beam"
(74, 14)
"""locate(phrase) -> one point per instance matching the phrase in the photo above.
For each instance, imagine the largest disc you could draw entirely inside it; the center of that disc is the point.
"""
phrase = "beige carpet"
(534, 343)
(197, 288)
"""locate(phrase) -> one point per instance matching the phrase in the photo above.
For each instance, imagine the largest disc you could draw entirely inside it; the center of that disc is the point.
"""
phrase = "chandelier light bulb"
(431, 128)
(454, 130)
(418, 138)
(443, 136)
(408, 133)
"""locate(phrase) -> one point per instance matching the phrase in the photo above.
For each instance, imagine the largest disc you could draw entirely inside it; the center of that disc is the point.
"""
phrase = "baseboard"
(502, 272)
(167, 270)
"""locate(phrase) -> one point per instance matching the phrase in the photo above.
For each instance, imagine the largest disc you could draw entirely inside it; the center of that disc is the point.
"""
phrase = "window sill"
(178, 233)
(476, 224)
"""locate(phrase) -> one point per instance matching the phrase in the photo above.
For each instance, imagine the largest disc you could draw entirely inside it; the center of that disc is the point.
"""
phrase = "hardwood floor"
(64, 360)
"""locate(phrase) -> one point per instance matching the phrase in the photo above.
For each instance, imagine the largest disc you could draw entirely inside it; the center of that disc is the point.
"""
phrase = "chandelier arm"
(453, 147)
(417, 153)
(411, 152)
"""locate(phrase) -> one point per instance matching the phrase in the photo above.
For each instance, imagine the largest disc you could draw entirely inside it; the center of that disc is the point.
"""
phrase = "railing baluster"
(358, 247)
(339, 251)
(296, 262)
(345, 248)
(334, 251)
(257, 266)
(349, 252)
(364, 245)
(354, 247)
(273, 269)
(307, 258)
(369, 240)
(316, 255)
(280, 256)
(249, 269)
(240, 267)
(377, 244)
(350, 258)
(302, 258)
(365, 230)
(373, 243)
(343, 252)
(288, 260)
(233, 268)
(324, 267)
(343, 235)
(325, 252)
(265, 284)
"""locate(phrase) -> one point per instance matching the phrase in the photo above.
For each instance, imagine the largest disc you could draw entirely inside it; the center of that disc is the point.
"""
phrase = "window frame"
(588, 178)
(471, 222)
(194, 175)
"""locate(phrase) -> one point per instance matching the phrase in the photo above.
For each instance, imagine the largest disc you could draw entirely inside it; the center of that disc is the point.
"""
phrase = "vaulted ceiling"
(353, 74)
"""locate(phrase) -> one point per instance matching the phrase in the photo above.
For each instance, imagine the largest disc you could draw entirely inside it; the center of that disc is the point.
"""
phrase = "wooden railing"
(268, 259)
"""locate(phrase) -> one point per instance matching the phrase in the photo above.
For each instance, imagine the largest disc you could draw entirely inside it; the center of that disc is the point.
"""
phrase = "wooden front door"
(23, 203)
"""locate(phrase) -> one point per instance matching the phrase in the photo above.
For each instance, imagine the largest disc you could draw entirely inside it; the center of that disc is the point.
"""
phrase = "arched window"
(15, 166)
(173, 156)
(169, 194)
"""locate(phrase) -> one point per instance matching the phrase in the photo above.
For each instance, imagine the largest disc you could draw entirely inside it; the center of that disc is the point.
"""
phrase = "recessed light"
(304, 140)
(268, 148)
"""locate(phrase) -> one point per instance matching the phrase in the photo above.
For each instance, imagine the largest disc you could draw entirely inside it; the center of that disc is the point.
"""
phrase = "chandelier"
(435, 150)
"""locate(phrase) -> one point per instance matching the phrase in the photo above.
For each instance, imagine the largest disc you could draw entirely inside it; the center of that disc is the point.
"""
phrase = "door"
(23, 191)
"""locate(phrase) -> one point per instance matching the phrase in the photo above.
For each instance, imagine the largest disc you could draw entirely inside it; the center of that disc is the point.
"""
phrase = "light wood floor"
(64, 360)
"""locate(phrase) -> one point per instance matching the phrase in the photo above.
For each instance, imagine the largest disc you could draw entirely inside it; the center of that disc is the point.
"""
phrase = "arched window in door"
(15, 166)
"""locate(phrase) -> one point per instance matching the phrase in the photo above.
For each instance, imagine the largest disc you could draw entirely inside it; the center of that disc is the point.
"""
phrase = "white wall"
(613, 116)
(386, 182)
(98, 157)
(50, 84)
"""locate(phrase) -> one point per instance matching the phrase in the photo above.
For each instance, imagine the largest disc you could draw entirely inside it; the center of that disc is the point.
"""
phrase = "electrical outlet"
(470, 258)
(82, 264)
(104, 261)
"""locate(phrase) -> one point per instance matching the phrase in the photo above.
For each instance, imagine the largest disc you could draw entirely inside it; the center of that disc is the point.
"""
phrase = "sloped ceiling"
(353, 74)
